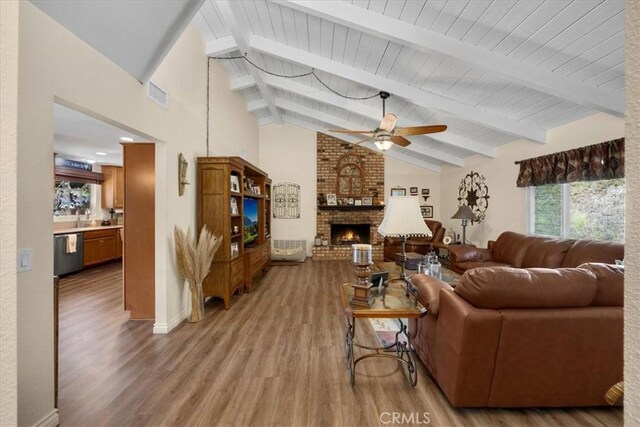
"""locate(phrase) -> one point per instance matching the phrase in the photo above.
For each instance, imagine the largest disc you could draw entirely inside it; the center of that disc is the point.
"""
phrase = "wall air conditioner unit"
(157, 94)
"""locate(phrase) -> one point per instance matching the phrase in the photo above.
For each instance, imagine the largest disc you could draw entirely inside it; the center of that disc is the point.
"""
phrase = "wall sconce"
(182, 174)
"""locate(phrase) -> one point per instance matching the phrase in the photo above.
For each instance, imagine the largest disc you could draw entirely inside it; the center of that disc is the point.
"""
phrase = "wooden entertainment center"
(234, 201)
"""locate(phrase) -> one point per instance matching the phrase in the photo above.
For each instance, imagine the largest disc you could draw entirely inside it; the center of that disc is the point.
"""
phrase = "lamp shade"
(465, 212)
(403, 218)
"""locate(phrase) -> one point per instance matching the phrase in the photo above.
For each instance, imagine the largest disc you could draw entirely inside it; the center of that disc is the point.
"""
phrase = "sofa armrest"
(469, 253)
(429, 289)
(467, 340)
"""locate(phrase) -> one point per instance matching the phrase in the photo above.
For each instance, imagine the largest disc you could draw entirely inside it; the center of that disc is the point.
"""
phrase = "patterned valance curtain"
(590, 163)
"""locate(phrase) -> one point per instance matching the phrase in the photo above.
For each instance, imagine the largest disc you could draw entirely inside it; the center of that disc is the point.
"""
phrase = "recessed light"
(126, 139)
(100, 153)
(91, 161)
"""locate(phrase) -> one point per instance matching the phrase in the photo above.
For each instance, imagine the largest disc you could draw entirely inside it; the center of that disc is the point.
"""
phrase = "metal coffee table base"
(404, 351)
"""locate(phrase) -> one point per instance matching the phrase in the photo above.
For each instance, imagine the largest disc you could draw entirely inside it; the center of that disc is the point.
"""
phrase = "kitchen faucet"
(88, 215)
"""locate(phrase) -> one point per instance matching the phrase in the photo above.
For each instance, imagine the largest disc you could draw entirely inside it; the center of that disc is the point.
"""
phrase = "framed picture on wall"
(332, 200)
(398, 191)
(367, 201)
(427, 211)
(425, 191)
(413, 191)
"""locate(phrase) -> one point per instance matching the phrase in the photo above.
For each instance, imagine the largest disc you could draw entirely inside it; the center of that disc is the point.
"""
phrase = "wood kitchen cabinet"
(101, 246)
(113, 187)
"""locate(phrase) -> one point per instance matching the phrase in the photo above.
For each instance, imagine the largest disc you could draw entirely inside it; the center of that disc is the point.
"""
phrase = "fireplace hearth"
(348, 234)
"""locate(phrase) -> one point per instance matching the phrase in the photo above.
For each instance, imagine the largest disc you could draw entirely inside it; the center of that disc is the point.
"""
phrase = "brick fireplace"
(353, 174)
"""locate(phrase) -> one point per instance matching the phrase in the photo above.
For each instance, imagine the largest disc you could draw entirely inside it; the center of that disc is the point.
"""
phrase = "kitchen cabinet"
(119, 243)
(113, 187)
(101, 246)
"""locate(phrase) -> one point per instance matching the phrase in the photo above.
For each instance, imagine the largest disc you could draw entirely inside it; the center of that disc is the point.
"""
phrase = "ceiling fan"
(388, 134)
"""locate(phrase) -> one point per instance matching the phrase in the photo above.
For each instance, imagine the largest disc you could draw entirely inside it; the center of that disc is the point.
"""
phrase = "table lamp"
(465, 214)
(403, 218)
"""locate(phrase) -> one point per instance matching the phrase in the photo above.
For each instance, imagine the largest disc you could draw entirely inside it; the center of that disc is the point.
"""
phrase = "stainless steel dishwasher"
(63, 262)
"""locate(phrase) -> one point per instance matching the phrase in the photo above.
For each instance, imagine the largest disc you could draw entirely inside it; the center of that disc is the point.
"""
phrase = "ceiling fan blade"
(388, 122)
(420, 130)
(400, 140)
(364, 140)
(363, 132)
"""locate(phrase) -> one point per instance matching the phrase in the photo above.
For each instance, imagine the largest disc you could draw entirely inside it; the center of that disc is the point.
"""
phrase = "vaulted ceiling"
(492, 71)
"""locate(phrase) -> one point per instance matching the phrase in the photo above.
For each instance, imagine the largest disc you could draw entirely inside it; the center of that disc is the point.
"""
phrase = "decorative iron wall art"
(473, 192)
(286, 200)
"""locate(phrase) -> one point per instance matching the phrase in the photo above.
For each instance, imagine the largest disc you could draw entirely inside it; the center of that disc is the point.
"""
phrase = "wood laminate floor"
(275, 358)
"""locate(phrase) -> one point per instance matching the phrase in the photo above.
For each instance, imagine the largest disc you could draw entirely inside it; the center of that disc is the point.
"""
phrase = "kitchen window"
(72, 198)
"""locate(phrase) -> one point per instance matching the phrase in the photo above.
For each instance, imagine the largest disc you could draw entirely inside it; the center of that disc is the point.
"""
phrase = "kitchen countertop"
(82, 229)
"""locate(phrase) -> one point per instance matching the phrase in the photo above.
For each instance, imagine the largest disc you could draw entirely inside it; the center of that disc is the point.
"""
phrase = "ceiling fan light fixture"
(384, 145)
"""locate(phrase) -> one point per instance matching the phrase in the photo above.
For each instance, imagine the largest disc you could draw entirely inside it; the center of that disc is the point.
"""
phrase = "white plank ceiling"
(492, 71)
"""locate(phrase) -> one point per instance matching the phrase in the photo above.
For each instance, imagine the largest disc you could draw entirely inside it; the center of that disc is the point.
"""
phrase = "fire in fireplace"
(347, 234)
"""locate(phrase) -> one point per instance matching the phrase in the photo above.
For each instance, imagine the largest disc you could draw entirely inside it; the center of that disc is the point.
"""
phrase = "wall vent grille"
(157, 94)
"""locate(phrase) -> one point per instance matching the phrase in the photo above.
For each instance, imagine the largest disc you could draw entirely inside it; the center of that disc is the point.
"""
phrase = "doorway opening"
(103, 220)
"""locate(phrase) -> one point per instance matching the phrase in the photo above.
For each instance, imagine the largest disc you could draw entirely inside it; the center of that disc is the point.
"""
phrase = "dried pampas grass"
(193, 260)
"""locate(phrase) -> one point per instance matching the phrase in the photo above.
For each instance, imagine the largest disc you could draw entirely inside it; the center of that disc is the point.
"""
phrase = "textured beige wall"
(234, 131)
(399, 173)
(507, 203)
(288, 154)
(632, 226)
(8, 156)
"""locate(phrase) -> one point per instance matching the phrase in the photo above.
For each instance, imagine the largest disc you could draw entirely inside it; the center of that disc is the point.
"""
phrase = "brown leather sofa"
(420, 245)
(508, 337)
(522, 251)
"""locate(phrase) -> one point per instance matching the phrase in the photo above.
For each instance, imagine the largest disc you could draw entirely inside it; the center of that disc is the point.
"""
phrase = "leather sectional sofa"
(526, 337)
(522, 251)
(420, 245)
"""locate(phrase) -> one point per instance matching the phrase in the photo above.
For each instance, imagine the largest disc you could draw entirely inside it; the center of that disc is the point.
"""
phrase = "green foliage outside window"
(595, 209)
(548, 210)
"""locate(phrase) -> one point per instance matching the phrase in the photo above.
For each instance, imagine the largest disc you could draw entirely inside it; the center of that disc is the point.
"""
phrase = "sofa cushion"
(545, 252)
(584, 251)
(506, 287)
(510, 248)
(610, 290)
(468, 265)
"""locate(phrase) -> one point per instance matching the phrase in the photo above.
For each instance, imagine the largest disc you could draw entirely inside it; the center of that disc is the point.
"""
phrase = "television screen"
(250, 220)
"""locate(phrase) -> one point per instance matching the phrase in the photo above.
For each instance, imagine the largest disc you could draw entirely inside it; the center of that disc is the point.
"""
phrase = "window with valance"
(577, 193)
(590, 163)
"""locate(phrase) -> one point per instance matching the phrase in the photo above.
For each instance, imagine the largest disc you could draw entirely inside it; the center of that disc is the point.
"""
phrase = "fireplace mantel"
(350, 208)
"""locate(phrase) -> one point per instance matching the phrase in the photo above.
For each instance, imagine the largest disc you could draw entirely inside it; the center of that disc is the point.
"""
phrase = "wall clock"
(473, 192)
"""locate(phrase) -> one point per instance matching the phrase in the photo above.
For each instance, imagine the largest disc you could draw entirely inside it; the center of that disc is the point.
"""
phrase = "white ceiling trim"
(240, 30)
(411, 94)
(345, 124)
(259, 104)
(421, 39)
(266, 121)
(221, 46)
(239, 83)
(390, 153)
(374, 114)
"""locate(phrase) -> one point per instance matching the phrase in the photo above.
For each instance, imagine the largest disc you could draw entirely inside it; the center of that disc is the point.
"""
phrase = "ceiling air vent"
(157, 94)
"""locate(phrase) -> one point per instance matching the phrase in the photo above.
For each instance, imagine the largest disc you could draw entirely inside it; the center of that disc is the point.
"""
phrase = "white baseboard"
(50, 420)
(165, 328)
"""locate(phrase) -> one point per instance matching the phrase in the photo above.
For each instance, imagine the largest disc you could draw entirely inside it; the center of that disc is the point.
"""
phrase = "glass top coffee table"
(392, 303)
(449, 276)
